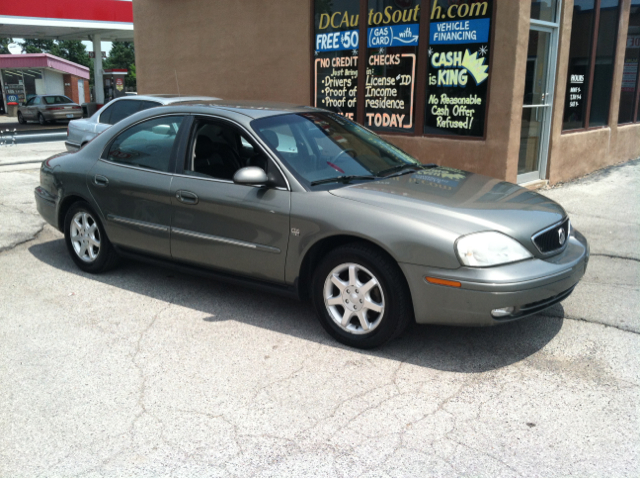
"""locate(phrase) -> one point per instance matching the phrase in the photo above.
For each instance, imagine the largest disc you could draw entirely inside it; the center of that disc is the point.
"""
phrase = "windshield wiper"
(343, 179)
(400, 169)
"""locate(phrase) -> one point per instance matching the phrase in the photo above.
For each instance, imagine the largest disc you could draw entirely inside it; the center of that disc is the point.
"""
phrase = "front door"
(216, 223)
(537, 103)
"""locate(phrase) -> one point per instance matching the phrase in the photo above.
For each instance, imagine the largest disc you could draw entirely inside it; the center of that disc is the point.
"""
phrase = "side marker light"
(442, 282)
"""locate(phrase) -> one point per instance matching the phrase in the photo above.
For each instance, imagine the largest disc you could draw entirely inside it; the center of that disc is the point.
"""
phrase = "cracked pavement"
(148, 372)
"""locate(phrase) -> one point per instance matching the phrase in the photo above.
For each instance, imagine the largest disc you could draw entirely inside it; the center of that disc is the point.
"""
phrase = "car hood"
(460, 202)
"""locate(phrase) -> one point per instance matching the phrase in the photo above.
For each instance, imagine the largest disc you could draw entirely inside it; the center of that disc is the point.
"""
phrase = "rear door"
(219, 224)
(131, 184)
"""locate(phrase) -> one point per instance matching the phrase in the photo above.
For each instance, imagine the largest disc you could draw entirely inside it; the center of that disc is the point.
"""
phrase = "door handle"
(100, 180)
(187, 197)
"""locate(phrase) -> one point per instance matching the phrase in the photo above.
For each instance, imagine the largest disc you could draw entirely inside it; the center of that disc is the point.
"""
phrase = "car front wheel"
(361, 297)
(21, 119)
(86, 240)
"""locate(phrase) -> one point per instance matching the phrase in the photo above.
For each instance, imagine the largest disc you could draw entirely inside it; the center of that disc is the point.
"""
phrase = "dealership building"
(527, 91)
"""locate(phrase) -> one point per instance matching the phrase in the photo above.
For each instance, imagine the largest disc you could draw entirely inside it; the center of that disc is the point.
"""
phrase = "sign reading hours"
(458, 67)
(392, 50)
(336, 55)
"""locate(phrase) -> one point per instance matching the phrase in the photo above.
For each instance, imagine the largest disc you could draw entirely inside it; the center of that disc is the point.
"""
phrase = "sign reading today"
(459, 49)
(392, 51)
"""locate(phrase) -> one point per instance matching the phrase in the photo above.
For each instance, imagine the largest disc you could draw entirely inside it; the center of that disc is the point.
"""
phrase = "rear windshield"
(56, 100)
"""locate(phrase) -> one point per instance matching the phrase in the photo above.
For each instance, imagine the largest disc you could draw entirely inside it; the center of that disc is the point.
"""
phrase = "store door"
(537, 103)
(80, 92)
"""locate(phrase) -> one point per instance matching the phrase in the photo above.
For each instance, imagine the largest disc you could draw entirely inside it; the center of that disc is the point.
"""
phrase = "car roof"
(252, 109)
(169, 99)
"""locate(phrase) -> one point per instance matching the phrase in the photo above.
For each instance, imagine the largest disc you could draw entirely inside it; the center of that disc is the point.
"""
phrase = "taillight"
(55, 108)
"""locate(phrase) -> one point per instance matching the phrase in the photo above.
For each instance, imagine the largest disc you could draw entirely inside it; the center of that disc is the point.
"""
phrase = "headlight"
(489, 248)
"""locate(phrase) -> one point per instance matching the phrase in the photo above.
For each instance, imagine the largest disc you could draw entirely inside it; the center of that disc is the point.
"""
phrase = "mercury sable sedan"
(303, 201)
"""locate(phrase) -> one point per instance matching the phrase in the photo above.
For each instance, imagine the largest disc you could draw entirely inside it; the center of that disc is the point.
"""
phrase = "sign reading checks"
(457, 53)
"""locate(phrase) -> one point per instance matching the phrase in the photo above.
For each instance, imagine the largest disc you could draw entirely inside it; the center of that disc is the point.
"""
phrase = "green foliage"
(123, 55)
(33, 45)
(4, 43)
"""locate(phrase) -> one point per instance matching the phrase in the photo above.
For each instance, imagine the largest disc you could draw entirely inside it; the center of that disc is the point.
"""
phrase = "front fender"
(316, 216)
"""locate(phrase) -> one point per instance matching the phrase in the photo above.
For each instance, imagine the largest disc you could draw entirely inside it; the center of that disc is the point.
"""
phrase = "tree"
(123, 55)
(4, 43)
(34, 45)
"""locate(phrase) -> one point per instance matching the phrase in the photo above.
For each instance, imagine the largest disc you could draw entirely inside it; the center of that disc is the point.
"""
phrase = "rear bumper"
(47, 206)
(529, 287)
(62, 115)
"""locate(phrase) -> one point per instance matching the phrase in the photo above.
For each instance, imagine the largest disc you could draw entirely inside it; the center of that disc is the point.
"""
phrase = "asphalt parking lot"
(148, 372)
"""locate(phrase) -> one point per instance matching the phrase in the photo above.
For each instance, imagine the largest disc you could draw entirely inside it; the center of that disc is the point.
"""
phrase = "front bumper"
(71, 146)
(528, 286)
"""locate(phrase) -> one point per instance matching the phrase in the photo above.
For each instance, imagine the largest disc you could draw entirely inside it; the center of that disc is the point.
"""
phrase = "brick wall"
(71, 88)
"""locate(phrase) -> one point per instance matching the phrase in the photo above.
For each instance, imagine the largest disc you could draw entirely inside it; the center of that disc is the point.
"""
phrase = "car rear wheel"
(41, 119)
(361, 297)
(21, 119)
(87, 241)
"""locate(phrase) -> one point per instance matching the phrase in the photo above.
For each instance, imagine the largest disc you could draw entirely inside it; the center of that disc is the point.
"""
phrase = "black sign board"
(336, 55)
(392, 54)
(458, 67)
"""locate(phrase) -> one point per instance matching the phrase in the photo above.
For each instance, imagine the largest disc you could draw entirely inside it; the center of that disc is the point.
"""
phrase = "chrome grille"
(548, 241)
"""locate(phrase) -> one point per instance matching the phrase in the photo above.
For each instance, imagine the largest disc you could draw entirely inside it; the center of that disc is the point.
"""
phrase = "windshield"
(320, 146)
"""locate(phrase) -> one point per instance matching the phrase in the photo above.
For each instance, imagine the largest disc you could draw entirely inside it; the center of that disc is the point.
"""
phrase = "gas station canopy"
(95, 20)
(67, 19)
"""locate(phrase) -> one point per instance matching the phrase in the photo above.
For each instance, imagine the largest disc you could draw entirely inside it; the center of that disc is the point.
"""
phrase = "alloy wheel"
(85, 236)
(354, 298)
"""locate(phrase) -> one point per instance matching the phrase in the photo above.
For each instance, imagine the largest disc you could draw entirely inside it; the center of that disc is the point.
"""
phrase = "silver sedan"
(302, 201)
(46, 108)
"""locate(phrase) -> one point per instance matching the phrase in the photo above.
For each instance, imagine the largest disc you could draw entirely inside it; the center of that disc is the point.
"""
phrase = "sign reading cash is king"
(336, 55)
(392, 52)
(458, 67)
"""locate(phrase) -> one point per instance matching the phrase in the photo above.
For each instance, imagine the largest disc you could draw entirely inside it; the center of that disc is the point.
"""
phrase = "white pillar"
(97, 70)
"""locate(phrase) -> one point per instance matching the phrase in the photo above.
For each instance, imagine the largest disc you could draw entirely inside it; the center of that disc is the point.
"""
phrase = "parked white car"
(84, 130)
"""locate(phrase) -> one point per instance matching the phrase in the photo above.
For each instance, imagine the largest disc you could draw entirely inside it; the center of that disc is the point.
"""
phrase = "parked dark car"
(46, 108)
(303, 201)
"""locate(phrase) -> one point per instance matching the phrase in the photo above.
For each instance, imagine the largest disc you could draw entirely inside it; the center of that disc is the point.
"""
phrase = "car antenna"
(177, 84)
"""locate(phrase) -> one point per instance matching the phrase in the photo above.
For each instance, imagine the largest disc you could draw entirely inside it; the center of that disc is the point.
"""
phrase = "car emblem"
(561, 236)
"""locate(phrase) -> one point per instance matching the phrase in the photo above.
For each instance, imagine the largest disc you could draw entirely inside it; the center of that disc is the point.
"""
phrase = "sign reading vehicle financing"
(463, 31)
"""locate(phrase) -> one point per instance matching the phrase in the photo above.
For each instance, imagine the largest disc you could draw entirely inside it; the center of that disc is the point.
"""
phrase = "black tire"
(392, 292)
(21, 119)
(97, 259)
(41, 119)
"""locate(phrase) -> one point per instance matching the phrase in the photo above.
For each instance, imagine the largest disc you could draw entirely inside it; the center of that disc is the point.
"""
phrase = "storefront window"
(544, 10)
(604, 63)
(458, 71)
(590, 75)
(20, 85)
(628, 93)
(392, 54)
(336, 49)
(425, 68)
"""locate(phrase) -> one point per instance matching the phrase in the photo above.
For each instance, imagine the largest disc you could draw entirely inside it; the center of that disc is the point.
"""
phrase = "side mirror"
(251, 175)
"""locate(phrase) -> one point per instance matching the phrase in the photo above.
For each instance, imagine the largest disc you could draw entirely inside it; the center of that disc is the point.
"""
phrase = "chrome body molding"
(220, 239)
(141, 224)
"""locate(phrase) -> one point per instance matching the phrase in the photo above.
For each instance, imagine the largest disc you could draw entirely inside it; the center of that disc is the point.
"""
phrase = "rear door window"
(147, 145)
(122, 109)
(147, 104)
